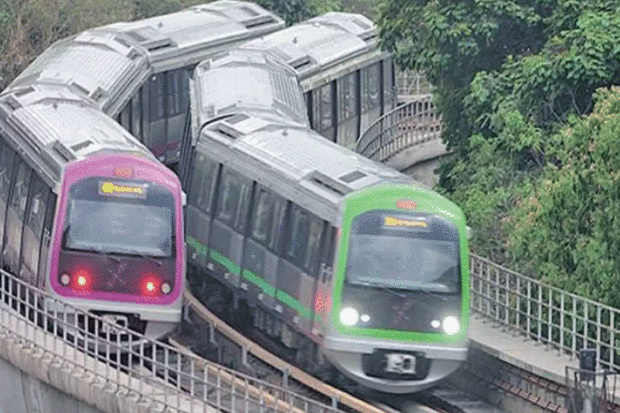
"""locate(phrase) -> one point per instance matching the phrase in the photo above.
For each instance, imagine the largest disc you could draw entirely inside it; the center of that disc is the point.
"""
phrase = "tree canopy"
(510, 77)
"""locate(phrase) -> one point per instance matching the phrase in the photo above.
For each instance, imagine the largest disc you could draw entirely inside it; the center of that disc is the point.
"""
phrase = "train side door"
(262, 247)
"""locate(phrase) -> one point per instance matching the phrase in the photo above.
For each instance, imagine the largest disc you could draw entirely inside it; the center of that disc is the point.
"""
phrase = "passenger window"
(232, 205)
(20, 190)
(326, 106)
(347, 98)
(314, 242)
(298, 235)
(6, 169)
(277, 227)
(136, 118)
(157, 91)
(35, 220)
(389, 86)
(203, 181)
(175, 92)
(146, 105)
(370, 87)
(38, 207)
(262, 215)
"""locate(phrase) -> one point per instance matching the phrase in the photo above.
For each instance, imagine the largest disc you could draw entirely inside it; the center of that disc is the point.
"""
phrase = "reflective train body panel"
(326, 252)
(348, 82)
(75, 188)
(138, 72)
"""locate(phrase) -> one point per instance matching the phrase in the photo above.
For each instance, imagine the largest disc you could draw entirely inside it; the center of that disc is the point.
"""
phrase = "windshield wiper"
(391, 290)
(431, 293)
(100, 250)
(158, 262)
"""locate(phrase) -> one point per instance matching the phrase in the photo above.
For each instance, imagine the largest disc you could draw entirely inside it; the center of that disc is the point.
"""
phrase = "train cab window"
(371, 77)
(304, 239)
(157, 90)
(347, 97)
(233, 200)
(203, 183)
(267, 218)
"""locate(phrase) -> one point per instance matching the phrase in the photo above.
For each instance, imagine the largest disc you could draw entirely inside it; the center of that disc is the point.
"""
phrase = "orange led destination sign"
(116, 189)
(407, 223)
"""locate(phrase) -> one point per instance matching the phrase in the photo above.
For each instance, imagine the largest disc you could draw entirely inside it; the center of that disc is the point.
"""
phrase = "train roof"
(52, 126)
(108, 64)
(247, 81)
(295, 161)
(325, 47)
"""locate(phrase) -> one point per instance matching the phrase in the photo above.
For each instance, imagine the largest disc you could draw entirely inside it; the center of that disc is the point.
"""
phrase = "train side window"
(262, 216)
(310, 107)
(37, 208)
(233, 202)
(371, 77)
(46, 238)
(175, 91)
(389, 85)
(157, 90)
(19, 197)
(347, 98)
(296, 244)
(136, 115)
(325, 102)
(278, 221)
(124, 118)
(7, 157)
(203, 182)
(6, 169)
(314, 242)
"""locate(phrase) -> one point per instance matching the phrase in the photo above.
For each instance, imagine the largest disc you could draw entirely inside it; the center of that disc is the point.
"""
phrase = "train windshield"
(404, 251)
(120, 217)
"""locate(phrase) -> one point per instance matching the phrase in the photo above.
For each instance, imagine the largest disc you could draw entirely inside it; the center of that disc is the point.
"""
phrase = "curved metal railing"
(41, 336)
(408, 125)
(562, 320)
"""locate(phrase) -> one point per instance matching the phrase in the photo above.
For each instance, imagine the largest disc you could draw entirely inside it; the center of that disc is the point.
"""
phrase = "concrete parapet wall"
(22, 392)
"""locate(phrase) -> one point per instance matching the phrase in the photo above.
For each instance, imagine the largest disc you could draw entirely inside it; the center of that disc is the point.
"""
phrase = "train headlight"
(451, 325)
(65, 279)
(166, 288)
(349, 316)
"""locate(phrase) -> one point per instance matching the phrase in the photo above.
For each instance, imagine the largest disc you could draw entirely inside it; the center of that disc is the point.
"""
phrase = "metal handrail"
(410, 124)
(562, 320)
(147, 372)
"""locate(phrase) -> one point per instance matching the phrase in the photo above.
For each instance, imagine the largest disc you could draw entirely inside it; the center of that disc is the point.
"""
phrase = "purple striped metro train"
(87, 213)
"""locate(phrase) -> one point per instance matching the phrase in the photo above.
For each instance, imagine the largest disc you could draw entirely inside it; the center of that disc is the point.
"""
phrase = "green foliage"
(567, 229)
(452, 41)
(27, 27)
(150, 8)
(294, 11)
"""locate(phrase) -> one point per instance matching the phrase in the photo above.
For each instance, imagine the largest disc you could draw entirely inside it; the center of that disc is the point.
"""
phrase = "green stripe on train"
(197, 245)
(254, 279)
(259, 281)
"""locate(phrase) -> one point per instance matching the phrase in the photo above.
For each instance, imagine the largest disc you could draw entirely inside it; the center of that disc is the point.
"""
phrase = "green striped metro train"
(342, 261)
